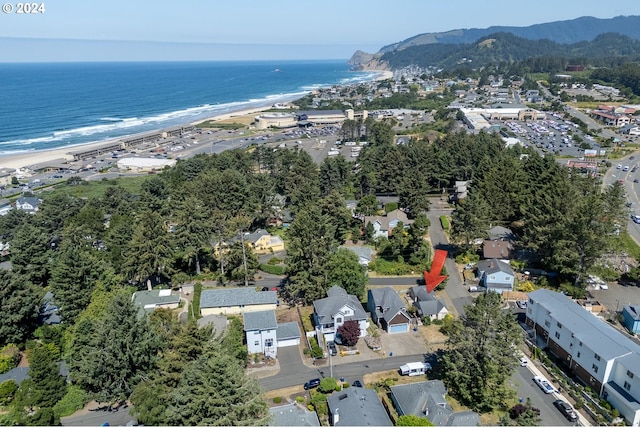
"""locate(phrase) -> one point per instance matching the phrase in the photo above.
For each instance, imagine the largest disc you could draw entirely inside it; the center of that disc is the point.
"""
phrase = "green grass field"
(93, 189)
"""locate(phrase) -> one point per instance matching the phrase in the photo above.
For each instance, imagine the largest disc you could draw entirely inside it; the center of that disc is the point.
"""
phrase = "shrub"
(319, 403)
(197, 291)
(327, 385)
(299, 399)
(316, 351)
(9, 358)
(426, 321)
(274, 261)
(349, 331)
(277, 399)
(8, 389)
(72, 401)
(277, 270)
(444, 222)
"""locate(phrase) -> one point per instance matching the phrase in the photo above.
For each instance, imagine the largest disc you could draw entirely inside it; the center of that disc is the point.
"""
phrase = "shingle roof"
(149, 300)
(599, 336)
(288, 330)
(491, 266)
(496, 249)
(214, 298)
(430, 308)
(357, 406)
(293, 415)
(389, 300)
(327, 308)
(259, 320)
(384, 221)
(426, 399)
(499, 232)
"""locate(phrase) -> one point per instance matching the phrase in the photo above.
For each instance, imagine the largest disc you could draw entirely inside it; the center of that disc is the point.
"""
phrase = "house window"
(338, 320)
(547, 323)
(578, 355)
(256, 343)
(559, 325)
(557, 335)
(594, 368)
(596, 356)
(268, 342)
(630, 374)
(580, 343)
(627, 386)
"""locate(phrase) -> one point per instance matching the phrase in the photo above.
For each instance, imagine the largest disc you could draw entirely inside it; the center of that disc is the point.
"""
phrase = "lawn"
(94, 189)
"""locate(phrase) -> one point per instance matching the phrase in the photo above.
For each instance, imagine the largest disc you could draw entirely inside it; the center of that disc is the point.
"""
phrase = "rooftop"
(230, 297)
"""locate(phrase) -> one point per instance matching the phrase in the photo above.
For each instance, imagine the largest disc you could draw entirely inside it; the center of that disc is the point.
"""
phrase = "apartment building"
(603, 358)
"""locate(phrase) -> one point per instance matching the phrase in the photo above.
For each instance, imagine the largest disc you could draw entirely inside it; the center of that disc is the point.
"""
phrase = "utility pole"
(244, 258)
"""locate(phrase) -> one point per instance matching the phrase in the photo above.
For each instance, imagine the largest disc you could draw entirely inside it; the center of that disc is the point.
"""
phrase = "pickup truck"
(544, 384)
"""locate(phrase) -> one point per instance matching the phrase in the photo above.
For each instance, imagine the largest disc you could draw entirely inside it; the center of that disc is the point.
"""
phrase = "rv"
(415, 368)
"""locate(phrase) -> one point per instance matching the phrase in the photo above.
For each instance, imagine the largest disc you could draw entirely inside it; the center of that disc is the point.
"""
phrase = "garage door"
(288, 342)
(394, 329)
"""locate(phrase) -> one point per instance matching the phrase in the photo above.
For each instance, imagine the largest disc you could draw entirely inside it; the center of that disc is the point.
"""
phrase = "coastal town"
(425, 248)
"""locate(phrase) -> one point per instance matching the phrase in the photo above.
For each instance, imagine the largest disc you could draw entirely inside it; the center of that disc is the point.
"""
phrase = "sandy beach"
(26, 159)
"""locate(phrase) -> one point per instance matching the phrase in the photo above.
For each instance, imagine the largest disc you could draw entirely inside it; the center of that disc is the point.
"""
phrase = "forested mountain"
(571, 31)
(508, 48)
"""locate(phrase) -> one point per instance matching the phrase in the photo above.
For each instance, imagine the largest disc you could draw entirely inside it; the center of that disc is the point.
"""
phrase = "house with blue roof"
(599, 355)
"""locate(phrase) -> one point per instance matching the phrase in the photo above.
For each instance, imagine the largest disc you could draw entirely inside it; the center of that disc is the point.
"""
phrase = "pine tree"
(19, 305)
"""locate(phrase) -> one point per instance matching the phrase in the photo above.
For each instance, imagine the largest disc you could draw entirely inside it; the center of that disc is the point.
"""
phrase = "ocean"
(54, 105)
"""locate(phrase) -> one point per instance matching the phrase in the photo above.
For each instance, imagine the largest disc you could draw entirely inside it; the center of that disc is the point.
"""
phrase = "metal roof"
(598, 335)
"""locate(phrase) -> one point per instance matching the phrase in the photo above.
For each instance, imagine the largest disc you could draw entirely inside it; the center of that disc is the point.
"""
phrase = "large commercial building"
(603, 358)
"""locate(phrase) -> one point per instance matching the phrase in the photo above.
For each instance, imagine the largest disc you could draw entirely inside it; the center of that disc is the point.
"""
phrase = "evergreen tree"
(480, 359)
(19, 304)
(214, 390)
(345, 271)
(149, 249)
(111, 353)
(45, 386)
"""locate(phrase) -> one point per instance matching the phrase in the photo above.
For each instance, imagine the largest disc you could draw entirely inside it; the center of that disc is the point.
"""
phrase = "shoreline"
(26, 159)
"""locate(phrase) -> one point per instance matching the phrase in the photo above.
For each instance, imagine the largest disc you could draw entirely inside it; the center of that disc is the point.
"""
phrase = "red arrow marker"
(433, 278)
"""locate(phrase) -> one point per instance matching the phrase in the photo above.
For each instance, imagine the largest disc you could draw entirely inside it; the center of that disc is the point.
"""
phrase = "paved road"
(522, 379)
(632, 189)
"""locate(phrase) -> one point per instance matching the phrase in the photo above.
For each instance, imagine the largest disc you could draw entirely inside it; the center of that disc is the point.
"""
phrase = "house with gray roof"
(427, 304)
(154, 299)
(331, 312)
(501, 233)
(5, 206)
(427, 399)
(293, 415)
(383, 225)
(388, 310)
(48, 313)
(28, 204)
(602, 357)
(496, 275)
(357, 406)
(288, 334)
(260, 330)
(364, 253)
(236, 301)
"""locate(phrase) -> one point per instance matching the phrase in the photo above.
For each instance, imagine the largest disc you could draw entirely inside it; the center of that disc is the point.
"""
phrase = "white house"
(427, 304)
(331, 312)
(383, 225)
(5, 206)
(496, 275)
(602, 357)
(260, 330)
(28, 204)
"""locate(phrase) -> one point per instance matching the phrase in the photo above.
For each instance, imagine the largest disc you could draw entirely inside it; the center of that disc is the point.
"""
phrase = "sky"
(114, 30)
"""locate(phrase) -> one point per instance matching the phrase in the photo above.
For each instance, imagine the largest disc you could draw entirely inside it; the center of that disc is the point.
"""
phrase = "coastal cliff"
(363, 61)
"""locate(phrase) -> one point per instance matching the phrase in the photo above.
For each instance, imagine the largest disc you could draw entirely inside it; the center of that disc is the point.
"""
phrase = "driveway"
(403, 344)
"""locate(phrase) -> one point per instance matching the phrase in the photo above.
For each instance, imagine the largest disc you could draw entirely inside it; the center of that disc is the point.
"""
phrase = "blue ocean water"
(53, 105)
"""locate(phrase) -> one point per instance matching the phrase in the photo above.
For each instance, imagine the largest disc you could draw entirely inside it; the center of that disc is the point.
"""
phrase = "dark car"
(566, 410)
(312, 383)
(332, 348)
(357, 383)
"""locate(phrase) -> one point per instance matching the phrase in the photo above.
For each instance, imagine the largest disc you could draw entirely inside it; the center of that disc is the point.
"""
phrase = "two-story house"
(260, 328)
(383, 225)
(331, 312)
(602, 357)
(496, 275)
(388, 310)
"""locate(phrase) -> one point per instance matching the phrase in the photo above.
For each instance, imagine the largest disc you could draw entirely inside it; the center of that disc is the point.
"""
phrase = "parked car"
(544, 384)
(332, 348)
(357, 383)
(521, 304)
(523, 361)
(566, 410)
(312, 383)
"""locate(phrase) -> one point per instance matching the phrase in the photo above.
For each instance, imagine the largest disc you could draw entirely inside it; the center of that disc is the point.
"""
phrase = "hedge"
(444, 221)
(278, 270)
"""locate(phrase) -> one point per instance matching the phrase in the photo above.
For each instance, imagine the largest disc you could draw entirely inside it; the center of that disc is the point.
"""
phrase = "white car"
(544, 384)
(523, 361)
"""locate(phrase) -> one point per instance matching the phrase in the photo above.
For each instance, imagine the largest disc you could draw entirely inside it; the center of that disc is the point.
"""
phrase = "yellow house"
(260, 240)
(236, 301)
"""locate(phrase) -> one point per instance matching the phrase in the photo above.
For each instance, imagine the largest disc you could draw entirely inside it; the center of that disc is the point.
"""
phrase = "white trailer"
(415, 368)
